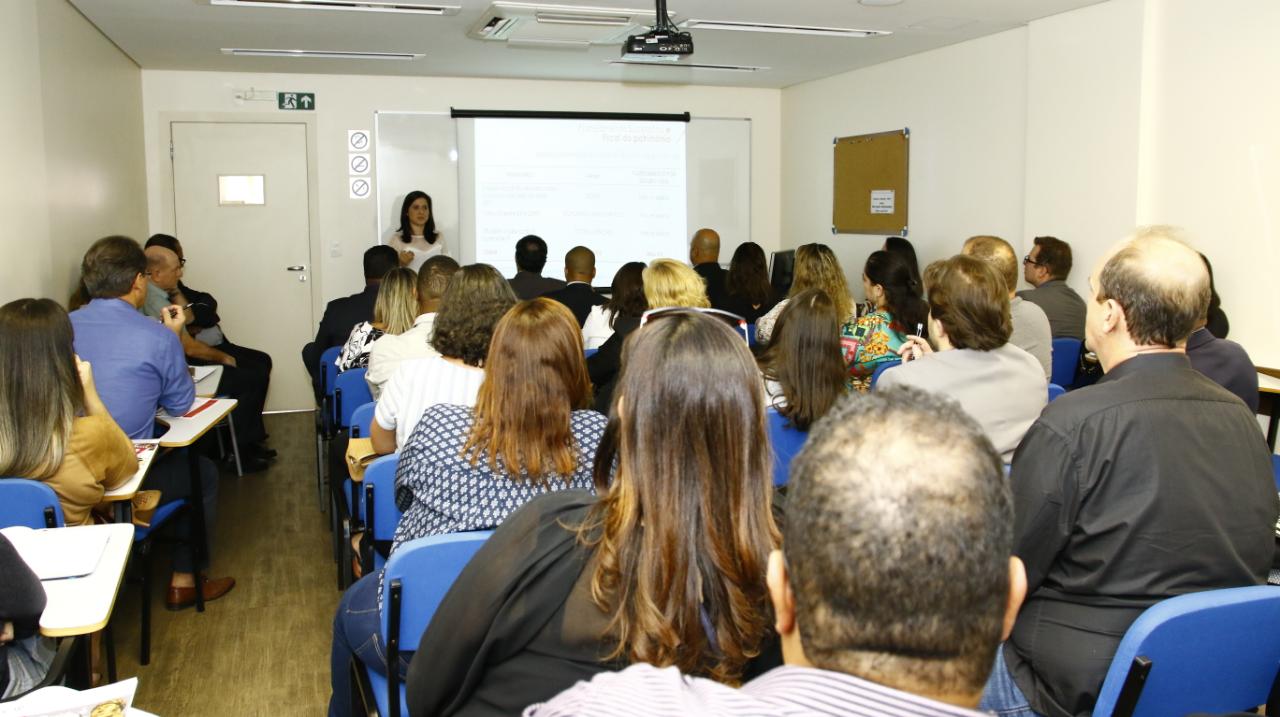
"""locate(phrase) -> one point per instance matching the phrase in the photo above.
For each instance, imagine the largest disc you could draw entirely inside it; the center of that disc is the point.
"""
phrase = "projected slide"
(617, 187)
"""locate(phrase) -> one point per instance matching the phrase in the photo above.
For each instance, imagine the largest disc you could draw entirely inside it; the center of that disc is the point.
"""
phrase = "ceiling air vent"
(534, 24)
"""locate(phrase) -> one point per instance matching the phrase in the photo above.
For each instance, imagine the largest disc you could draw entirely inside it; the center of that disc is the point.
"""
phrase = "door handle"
(296, 267)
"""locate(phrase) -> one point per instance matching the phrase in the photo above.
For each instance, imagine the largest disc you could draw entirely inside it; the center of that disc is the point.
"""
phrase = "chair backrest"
(884, 366)
(329, 369)
(1275, 468)
(380, 512)
(786, 442)
(1214, 651)
(588, 353)
(752, 341)
(29, 503)
(1055, 390)
(417, 577)
(350, 391)
(1065, 361)
(362, 419)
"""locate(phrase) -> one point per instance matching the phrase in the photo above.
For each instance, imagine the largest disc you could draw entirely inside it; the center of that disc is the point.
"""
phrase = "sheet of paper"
(882, 201)
(56, 553)
(200, 373)
(63, 701)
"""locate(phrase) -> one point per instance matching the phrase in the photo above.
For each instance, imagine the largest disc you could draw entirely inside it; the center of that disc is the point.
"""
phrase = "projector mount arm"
(662, 21)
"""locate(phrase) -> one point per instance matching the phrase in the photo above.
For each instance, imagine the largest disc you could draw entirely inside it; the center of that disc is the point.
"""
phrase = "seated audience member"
(469, 468)
(1217, 322)
(626, 298)
(53, 426)
(802, 367)
(896, 311)
(393, 314)
(816, 267)
(25, 656)
(1030, 326)
(1226, 362)
(1046, 268)
(341, 315)
(531, 257)
(248, 386)
(1153, 482)
(704, 256)
(878, 615)
(417, 239)
(138, 367)
(572, 585)
(667, 282)
(577, 294)
(747, 291)
(999, 384)
(386, 354)
(475, 300)
(619, 317)
(903, 248)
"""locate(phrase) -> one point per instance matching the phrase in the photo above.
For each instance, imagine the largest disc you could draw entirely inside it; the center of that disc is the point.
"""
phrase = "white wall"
(1211, 161)
(71, 108)
(965, 105)
(349, 102)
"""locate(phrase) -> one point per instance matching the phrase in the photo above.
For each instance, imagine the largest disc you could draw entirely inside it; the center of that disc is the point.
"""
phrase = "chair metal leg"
(324, 504)
(200, 536)
(235, 447)
(109, 642)
(144, 657)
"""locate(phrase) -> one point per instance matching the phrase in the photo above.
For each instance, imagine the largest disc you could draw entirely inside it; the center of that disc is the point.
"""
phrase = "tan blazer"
(99, 457)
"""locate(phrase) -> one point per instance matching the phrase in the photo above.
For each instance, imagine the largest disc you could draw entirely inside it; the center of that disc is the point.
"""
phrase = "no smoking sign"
(359, 163)
(360, 188)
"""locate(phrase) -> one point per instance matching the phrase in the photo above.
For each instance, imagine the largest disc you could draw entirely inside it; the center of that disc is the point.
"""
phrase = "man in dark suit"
(1225, 362)
(531, 256)
(577, 294)
(341, 315)
(704, 255)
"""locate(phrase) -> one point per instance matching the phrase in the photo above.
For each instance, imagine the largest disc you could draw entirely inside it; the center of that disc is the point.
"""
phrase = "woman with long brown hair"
(747, 291)
(467, 468)
(53, 426)
(802, 367)
(666, 567)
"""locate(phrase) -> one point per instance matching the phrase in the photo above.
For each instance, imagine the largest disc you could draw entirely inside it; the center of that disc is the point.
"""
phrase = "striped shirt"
(782, 692)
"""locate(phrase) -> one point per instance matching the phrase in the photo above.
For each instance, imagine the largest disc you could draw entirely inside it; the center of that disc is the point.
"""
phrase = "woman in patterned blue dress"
(468, 468)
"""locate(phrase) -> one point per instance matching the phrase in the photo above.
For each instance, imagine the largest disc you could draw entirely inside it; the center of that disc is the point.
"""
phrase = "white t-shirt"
(420, 248)
(596, 329)
(419, 384)
(386, 354)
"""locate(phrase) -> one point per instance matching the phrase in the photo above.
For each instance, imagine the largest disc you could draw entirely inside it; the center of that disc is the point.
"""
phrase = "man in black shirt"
(704, 255)
(1152, 483)
(531, 257)
(341, 315)
(1046, 268)
(577, 294)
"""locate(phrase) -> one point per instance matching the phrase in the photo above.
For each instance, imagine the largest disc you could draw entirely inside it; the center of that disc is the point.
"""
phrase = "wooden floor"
(264, 648)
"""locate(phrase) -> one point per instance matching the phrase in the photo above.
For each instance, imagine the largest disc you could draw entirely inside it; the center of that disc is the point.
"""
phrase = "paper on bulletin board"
(882, 201)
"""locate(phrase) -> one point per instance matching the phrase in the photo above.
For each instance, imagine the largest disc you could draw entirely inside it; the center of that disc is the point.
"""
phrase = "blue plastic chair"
(362, 420)
(588, 353)
(328, 372)
(786, 441)
(1065, 361)
(417, 578)
(381, 516)
(1275, 468)
(350, 391)
(884, 366)
(1055, 391)
(29, 503)
(752, 341)
(1212, 651)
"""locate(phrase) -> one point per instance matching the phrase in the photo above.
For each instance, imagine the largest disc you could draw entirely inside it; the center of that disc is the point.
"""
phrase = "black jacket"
(340, 316)
(579, 297)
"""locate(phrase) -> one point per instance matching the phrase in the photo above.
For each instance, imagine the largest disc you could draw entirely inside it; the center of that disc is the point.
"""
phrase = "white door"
(241, 211)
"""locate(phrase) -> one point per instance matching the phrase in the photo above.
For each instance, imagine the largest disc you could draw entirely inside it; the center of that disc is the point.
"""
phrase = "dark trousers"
(247, 382)
(171, 475)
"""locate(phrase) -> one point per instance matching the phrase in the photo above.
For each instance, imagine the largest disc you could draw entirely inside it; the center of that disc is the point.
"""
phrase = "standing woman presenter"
(417, 239)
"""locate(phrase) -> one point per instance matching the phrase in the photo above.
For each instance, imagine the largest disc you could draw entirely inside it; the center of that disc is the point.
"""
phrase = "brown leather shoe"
(214, 588)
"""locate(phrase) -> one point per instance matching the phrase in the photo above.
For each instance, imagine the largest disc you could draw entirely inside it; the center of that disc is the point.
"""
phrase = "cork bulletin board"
(869, 192)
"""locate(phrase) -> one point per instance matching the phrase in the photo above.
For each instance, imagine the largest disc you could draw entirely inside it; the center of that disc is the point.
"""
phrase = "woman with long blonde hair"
(393, 313)
(667, 566)
(816, 268)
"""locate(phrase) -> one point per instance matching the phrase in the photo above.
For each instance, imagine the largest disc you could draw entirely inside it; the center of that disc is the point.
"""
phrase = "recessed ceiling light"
(325, 54)
(781, 29)
(879, 3)
(351, 5)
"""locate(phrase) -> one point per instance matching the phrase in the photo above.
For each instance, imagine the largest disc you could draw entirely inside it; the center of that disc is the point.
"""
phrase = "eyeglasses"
(1028, 260)
(735, 322)
(182, 262)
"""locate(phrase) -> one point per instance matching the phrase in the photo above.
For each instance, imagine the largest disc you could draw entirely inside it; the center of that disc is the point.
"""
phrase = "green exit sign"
(296, 100)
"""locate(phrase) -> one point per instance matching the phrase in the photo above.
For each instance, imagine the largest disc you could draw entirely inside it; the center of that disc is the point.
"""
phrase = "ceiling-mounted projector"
(663, 43)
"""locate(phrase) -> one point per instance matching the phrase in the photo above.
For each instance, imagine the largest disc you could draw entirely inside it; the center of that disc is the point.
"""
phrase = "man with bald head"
(577, 294)
(704, 255)
(1154, 482)
(1030, 325)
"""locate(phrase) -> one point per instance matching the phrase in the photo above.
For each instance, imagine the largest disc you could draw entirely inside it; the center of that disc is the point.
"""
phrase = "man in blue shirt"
(139, 367)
